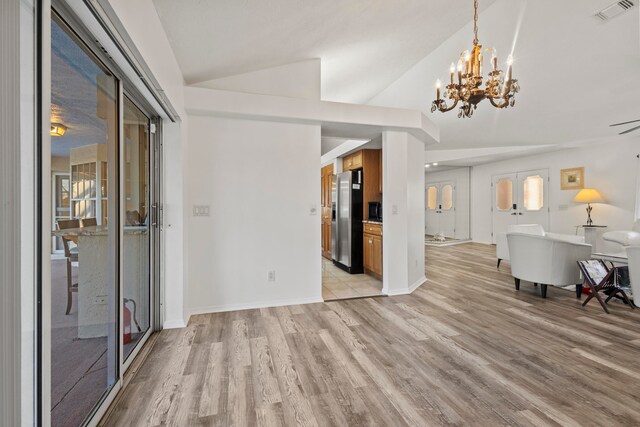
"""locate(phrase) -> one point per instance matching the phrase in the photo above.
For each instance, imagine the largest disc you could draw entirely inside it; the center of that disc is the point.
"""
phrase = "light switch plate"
(394, 209)
(313, 209)
(201, 210)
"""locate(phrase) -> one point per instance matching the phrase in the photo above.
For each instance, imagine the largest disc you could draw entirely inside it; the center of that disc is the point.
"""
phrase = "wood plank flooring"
(466, 348)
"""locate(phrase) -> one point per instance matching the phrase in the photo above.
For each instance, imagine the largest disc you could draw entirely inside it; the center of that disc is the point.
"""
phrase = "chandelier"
(467, 87)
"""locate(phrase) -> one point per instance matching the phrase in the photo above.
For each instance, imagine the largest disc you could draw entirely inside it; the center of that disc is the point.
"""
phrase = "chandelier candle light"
(467, 87)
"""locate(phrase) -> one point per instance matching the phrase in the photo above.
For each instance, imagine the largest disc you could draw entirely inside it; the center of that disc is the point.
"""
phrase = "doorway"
(441, 210)
(351, 199)
(520, 198)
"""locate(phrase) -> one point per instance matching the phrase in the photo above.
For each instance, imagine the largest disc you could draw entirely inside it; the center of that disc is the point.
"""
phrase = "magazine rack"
(600, 278)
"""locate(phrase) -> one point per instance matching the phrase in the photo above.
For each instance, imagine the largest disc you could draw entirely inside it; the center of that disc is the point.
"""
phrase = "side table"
(592, 235)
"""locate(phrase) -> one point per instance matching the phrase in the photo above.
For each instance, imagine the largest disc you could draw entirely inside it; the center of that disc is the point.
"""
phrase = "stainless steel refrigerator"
(346, 221)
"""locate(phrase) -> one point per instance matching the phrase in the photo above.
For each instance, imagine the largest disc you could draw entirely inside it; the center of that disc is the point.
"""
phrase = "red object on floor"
(126, 330)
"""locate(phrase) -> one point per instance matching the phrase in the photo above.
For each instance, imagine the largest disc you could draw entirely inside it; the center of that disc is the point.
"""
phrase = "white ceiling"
(364, 45)
(578, 75)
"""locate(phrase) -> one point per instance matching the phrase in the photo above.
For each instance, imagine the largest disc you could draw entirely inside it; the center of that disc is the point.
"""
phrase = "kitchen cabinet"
(352, 161)
(370, 161)
(380, 172)
(326, 180)
(372, 249)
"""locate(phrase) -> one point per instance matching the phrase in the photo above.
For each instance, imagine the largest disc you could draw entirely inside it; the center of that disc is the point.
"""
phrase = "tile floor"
(338, 284)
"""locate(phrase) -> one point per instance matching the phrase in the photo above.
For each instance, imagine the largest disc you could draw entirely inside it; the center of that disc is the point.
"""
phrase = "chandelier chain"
(475, 21)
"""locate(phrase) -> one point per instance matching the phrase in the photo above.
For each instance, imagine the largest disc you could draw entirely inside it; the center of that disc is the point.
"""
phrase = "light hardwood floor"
(465, 348)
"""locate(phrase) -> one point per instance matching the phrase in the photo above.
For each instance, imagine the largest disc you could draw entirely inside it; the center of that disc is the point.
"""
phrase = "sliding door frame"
(47, 9)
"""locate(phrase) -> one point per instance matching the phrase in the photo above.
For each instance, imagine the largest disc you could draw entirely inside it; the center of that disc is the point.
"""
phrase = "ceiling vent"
(614, 9)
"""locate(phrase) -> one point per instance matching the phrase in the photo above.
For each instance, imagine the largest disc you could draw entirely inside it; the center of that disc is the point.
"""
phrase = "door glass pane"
(84, 339)
(447, 197)
(533, 187)
(136, 248)
(62, 203)
(432, 197)
(504, 194)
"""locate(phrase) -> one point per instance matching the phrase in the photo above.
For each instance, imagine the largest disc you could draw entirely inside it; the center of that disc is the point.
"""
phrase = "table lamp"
(588, 196)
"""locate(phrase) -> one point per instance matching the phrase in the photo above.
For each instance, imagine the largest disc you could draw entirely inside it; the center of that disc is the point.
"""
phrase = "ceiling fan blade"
(629, 130)
(625, 123)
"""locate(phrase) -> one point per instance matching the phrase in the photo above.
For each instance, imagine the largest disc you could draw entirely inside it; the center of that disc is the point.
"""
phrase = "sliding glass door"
(104, 208)
(137, 243)
(84, 305)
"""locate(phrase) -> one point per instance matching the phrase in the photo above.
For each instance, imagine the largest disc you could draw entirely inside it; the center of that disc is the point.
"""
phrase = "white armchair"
(633, 253)
(624, 237)
(546, 261)
(502, 246)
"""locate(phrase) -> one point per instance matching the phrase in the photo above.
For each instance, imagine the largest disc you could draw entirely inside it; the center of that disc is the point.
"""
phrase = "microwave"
(375, 211)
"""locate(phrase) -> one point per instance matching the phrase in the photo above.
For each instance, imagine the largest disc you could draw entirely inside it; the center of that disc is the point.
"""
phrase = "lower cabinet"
(372, 248)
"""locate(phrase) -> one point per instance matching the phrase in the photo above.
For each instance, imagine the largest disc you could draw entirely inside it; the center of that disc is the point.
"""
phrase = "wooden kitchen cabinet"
(371, 163)
(352, 161)
(372, 249)
(326, 181)
(380, 172)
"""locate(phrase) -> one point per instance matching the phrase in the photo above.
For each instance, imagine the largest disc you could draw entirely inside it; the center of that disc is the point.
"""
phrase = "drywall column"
(174, 229)
(403, 213)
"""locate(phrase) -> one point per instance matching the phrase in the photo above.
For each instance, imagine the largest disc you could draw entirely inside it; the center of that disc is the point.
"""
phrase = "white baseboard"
(175, 324)
(415, 285)
(421, 281)
(253, 305)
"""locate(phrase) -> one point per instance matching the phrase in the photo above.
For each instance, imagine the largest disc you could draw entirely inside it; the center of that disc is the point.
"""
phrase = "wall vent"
(614, 9)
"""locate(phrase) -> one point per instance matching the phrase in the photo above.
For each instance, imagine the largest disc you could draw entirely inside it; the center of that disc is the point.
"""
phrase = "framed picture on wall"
(572, 179)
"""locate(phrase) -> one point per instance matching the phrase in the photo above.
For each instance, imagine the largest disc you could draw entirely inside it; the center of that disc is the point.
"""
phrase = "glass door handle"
(154, 215)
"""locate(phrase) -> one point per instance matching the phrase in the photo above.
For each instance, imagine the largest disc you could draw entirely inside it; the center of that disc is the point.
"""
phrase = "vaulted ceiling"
(578, 75)
(364, 45)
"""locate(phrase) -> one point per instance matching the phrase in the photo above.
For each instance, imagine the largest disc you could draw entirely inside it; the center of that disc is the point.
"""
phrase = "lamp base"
(589, 220)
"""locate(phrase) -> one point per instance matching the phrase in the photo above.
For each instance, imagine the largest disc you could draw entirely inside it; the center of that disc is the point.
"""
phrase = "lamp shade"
(588, 195)
(58, 129)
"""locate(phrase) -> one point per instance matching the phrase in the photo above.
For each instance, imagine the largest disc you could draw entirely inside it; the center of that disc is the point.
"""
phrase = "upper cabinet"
(353, 161)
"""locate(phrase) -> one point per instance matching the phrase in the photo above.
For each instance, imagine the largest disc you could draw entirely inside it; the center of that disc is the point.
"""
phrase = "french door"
(100, 292)
(440, 215)
(520, 198)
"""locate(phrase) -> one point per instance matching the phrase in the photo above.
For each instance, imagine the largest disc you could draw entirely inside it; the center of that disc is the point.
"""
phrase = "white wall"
(153, 44)
(610, 168)
(403, 213)
(260, 179)
(462, 197)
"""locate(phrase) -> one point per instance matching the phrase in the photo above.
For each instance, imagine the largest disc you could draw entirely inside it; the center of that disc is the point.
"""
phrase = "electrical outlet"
(272, 276)
(100, 300)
